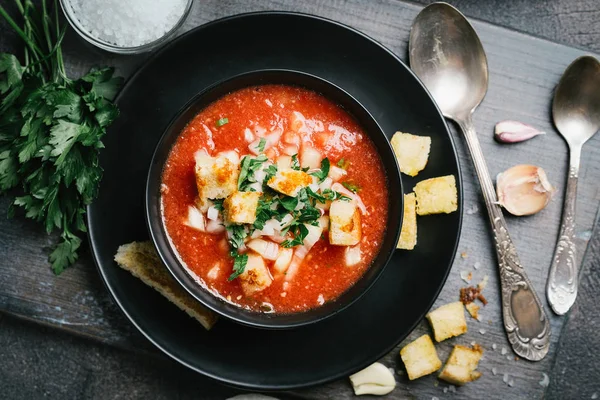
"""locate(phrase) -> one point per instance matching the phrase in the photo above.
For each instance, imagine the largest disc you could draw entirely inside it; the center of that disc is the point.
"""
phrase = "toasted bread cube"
(420, 358)
(240, 207)
(256, 276)
(473, 309)
(461, 365)
(412, 152)
(436, 195)
(289, 182)
(408, 235)
(344, 223)
(216, 178)
(448, 321)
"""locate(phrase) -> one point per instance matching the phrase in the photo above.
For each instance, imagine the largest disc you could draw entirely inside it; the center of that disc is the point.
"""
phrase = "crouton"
(412, 152)
(289, 182)
(142, 261)
(461, 365)
(344, 223)
(256, 276)
(216, 178)
(448, 321)
(436, 195)
(473, 309)
(240, 207)
(420, 358)
(408, 235)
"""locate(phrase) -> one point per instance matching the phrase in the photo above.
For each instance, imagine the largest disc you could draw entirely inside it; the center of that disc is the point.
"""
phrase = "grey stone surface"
(38, 362)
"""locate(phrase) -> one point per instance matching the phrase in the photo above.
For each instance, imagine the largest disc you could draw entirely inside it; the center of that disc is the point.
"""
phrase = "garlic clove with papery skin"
(514, 132)
(523, 189)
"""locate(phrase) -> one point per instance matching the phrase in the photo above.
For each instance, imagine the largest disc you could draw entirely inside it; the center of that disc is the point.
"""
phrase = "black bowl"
(167, 252)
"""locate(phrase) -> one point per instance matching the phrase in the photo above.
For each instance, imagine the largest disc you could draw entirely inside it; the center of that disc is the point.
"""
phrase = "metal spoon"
(445, 52)
(576, 111)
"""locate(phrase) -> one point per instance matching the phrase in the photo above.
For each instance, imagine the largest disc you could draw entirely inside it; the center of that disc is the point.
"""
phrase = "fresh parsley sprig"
(51, 129)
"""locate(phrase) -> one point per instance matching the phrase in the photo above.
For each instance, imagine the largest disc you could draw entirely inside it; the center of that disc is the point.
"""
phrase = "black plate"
(250, 357)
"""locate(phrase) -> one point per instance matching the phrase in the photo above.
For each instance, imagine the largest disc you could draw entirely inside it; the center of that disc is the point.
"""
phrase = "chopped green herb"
(353, 187)
(309, 214)
(295, 163)
(248, 167)
(237, 235)
(261, 145)
(324, 171)
(343, 163)
(326, 195)
(289, 203)
(218, 204)
(239, 265)
(316, 196)
(265, 211)
(271, 170)
(222, 121)
(300, 232)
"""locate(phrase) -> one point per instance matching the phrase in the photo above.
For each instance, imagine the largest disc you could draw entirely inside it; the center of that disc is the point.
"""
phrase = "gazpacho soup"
(275, 199)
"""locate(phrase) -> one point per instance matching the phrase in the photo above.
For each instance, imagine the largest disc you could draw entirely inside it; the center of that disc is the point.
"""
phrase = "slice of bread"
(461, 365)
(141, 259)
(412, 152)
(436, 195)
(408, 235)
(420, 358)
(240, 207)
(345, 223)
(448, 321)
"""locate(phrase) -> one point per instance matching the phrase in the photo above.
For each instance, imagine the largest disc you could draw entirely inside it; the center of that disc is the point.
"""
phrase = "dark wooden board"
(523, 73)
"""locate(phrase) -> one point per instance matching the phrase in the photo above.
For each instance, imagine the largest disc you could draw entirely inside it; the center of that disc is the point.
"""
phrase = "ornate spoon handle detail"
(525, 322)
(561, 289)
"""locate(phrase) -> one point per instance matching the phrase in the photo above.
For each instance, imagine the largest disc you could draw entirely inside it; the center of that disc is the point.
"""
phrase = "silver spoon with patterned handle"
(576, 112)
(445, 52)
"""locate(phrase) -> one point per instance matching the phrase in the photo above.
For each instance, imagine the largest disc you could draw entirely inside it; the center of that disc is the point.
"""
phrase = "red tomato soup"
(285, 183)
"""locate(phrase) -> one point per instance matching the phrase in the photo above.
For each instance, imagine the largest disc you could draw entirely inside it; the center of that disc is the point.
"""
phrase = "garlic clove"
(514, 132)
(375, 379)
(523, 189)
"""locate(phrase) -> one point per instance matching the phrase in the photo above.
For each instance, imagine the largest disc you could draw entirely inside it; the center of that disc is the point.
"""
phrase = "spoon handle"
(525, 321)
(561, 288)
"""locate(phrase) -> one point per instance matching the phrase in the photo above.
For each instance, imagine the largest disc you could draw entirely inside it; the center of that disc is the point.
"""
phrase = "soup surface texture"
(275, 199)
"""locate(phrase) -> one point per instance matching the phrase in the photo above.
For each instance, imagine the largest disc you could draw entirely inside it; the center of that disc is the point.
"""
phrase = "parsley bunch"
(51, 129)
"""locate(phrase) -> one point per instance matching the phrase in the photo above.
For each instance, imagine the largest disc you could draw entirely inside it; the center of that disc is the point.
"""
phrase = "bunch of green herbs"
(51, 129)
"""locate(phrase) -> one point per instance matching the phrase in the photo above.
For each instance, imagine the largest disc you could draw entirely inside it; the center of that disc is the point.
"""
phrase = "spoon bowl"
(447, 55)
(576, 105)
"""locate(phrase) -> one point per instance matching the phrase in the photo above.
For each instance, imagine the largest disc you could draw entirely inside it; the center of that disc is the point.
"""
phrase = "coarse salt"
(128, 23)
(545, 380)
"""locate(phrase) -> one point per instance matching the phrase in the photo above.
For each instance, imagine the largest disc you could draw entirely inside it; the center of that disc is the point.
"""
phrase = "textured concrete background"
(37, 362)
